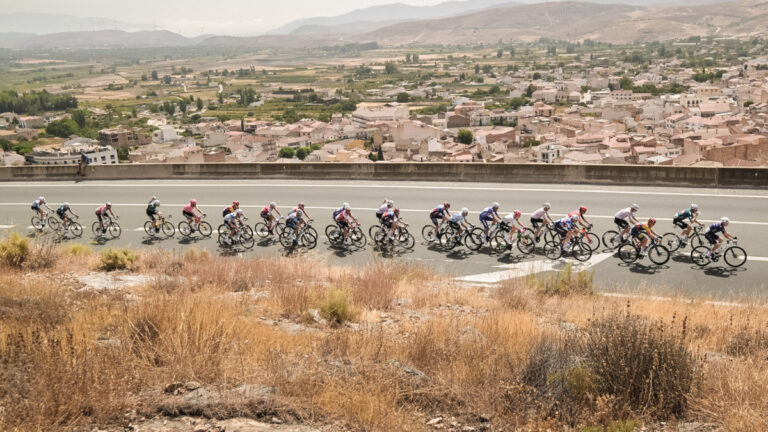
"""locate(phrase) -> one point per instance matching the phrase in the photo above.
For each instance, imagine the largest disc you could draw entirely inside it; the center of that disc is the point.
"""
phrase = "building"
(122, 137)
(69, 153)
(364, 116)
(164, 134)
(31, 122)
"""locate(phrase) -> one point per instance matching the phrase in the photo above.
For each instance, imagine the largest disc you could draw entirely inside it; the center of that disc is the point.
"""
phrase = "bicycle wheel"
(612, 239)
(247, 242)
(115, 230)
(330, 229)
(335, 236)
(246, 231)
(658, 254)
(699, 256)
(37, 223)
(168, 229)
(222, 240)
(628, 253)
(552, 250)
(592, 241)
(184, 228)
(308, 240)
(358, 237)
(429, 232)
(549, 236)
(279, 228)
(735, 256)
(498, 243)
(222, 229)
(54, 224)
(149, 228)
(76, 229)
(261, 230)
(671, 241)
(581, 252)
(526, 243)
(286, 239)
(407, 240)
(474, 240)
(205, 229)
(372, 230)
(696, 241)
(96, 228)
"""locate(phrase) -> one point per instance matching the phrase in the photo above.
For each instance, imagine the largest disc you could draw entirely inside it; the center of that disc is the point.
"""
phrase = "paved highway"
(746, 208)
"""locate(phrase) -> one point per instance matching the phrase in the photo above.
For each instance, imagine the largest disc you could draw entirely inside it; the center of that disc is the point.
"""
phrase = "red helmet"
(652, 221)
(236, 203)
(301, 205)
(582, 209)
(518, 213)
(193, 202)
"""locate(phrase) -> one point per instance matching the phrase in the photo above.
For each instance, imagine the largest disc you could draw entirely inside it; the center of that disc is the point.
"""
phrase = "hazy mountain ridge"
(44, 23)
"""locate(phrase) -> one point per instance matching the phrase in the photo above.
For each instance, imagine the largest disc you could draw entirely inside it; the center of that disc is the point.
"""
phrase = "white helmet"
(272, 204)
(299, 213)
(725, 220)
(390, 203)
(464, 211)
(635, 207)
(157, 203)
(239, 212)
(42, 198)
(694, 207)
(547, 206)
(347, 207)
(574, 218)
(66, 204)
(496, 205)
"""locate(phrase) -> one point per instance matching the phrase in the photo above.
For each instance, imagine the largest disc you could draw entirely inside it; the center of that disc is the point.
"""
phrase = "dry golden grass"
(418, 346)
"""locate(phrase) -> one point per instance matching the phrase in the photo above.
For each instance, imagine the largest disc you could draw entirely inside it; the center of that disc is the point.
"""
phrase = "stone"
(409, 370)
(315, 315)
(434, 421)
(192, 385)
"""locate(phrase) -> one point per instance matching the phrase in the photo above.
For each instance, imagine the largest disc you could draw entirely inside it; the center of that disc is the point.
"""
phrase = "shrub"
(77, 250)
(14, 250)
(42, 255)
(747, 342)
(646, 365)
(335, 307)
(565, 283)
(117, 259)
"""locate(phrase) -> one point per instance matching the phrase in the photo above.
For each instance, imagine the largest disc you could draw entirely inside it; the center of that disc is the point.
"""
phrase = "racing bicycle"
(153, 229)
(658, 253)
(110, 226)
(733, 255)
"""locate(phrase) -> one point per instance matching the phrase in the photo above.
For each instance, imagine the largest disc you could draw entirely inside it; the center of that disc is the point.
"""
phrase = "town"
(666, 103)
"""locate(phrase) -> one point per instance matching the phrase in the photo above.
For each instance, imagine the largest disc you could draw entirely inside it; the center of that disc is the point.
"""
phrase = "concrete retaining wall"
(503, 173)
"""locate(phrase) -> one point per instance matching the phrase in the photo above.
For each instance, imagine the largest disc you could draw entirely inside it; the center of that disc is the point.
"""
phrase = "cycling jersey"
(62, 210)
(575, 213)
(509, 219)
(624, 214)
(337, 212)
(457, 218)
(539, 214)
(230, 218)
(487, 214)
(716, 228)
(640, 229)
(563, 225)
(102, 210)
(189, 208)
(438, 211)
(36, 204)
(342, 216)
(228, 210)
(685, 214)
(267, 211)
(382, 210)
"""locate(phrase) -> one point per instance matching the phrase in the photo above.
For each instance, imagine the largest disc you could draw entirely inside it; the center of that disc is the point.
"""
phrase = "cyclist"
(714, 239)
(152, 206)
(231, 209)
(37, 205)
(189, 213)
(294, 221)
(692, 215)
(269, 218)
(102, 212)
(583, 222)
(300, 206)
(513, 222)
(567, 227)
(540, 217)
(390, 220)
(62, 213)
(342, 216)
(458, 221)
(624, 217)
(231, 221)
(385, 207)
(489, 214)
(639, 231)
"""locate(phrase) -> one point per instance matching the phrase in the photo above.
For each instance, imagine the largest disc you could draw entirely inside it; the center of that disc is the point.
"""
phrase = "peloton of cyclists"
(691, 215)
(301, 207)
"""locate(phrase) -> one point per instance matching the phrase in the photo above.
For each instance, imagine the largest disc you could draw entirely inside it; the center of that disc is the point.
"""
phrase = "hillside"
(45, 23)
(580, 20)
(97, 39)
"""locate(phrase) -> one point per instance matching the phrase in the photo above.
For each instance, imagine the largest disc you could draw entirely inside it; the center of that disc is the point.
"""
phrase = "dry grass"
(403, 346)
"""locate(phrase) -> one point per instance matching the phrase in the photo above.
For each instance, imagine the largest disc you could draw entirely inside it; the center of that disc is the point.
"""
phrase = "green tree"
(199, 104)
(408, 58)
(167, 80)
(79, 117)
(372, 156)
(380, 155)
(286, 152)
(500, 53)
(122, 153)
(290, 116)
(403, 97)
(183, 106)
(390, 68)
(477, 68)
(62, 128)
(625, 83)
(465, 136)
(511, 51)
(303, 152)
(154, 75)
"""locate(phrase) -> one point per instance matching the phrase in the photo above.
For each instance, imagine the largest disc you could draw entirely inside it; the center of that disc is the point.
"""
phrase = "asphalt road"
(746, 208)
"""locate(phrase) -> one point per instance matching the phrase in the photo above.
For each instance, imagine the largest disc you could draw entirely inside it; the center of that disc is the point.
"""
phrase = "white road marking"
(231, 185)
(760, 259)
(531, 267)
(7, 226)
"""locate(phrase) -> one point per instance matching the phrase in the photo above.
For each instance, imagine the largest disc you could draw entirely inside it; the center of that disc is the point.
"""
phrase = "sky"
(195, 17)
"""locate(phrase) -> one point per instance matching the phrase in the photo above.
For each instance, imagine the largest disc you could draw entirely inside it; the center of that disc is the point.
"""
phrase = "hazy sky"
(193, 17)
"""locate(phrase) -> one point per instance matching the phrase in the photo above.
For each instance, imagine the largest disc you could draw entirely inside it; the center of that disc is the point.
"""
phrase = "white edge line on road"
(381, 186)
(221, 206)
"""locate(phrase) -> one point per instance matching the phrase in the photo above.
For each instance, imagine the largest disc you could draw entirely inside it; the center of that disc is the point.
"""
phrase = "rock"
(470, 335)
(192, 385)
(468, 429)
(568, 327)
(434, 421)
(251, 391)
(276, 420)
(315, 315)
(111, 282)
(402, 302)
(173, 388)
(408, 370)
(696, 427)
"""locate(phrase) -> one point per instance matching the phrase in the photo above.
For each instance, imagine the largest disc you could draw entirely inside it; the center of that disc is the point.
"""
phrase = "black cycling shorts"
(536, 222)
(621, 223)
(680, 222)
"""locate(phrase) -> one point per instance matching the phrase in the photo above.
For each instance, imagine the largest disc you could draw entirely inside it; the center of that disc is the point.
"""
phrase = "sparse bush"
(196, 255)
(565, 283)
(14, 250)
(42, 255)
(77, 250)
(117, 259)
(335, 307)
(747, 342)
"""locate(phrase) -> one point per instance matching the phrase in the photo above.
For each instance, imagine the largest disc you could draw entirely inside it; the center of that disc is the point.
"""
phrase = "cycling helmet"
(301, 205)
(347, 207)
(635, 207)
(446, 205)
(157, 203)
(518, 213)
(695, 207)
(390, 203)
(239, 212)
(193, 203)
(574, 218)
(154, 197)
(41, 198)
(272, 204)
(547, 206)
(236, 203)
(495, 205)
(66, 204)
(109, 205)
(299, 213)
(464, 211)
(652, 221)
(582, 209)
(397, 211)
(725, 220)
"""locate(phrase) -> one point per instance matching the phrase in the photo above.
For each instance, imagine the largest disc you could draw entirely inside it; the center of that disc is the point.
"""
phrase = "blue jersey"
(565, 223)
(716, 228)
(231, 218)
(685, 214)
(439, 210)
(62, 209)
(293, 217)
(488, 213)
(388, 216)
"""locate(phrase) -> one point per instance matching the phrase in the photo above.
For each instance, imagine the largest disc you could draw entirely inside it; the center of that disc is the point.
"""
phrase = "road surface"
(746, 208)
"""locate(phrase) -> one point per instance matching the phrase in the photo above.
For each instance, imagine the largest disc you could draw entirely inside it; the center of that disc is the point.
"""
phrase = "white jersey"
(509, 219)
(457, 218)
(539, 214)
(383, 209)
(624, 214)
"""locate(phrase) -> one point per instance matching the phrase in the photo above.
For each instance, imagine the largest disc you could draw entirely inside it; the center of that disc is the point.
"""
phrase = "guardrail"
(468, 172)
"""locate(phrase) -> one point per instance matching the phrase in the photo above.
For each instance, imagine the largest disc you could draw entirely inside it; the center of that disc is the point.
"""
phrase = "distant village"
(567, 120)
